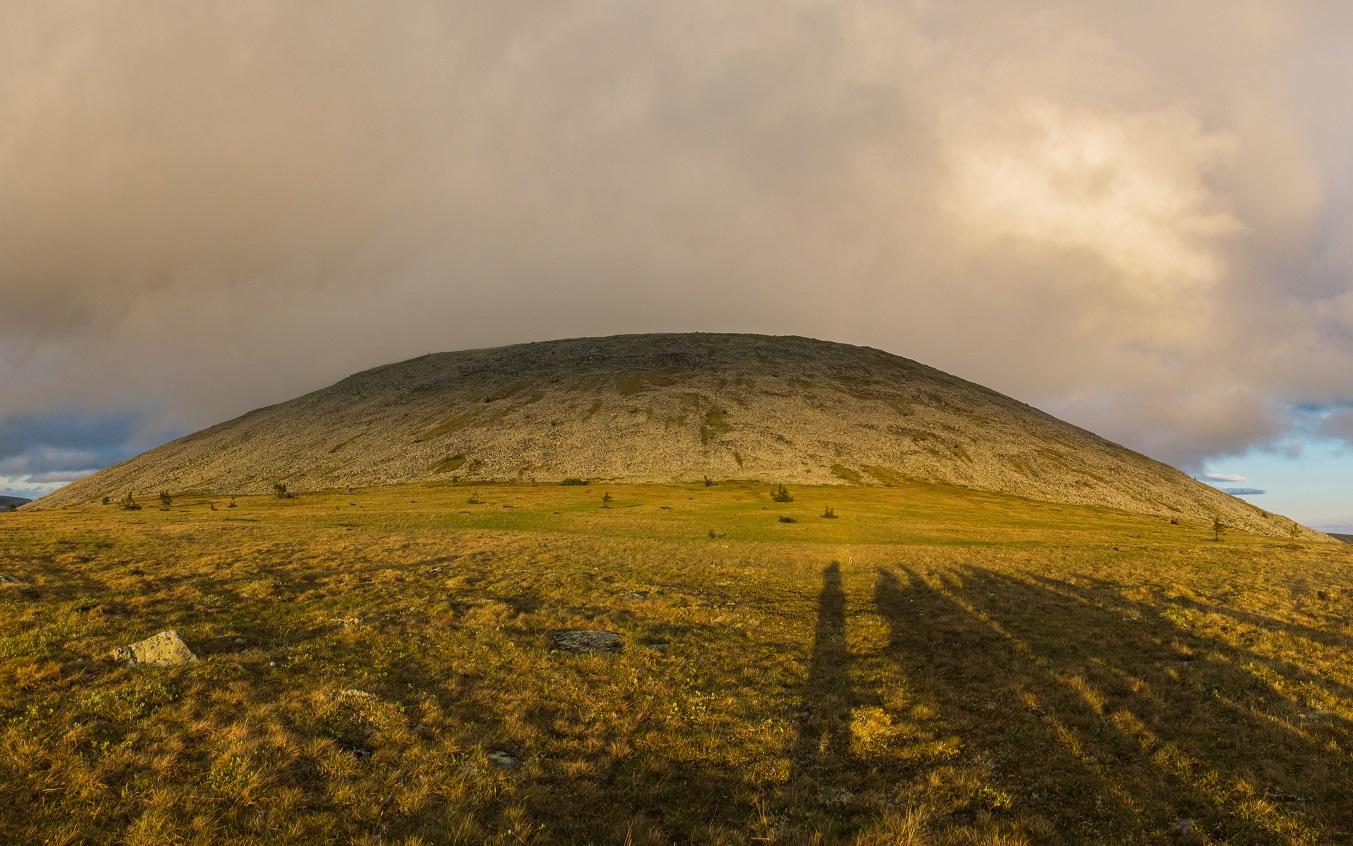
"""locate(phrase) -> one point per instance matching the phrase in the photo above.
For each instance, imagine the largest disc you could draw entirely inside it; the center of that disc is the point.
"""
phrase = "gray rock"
(355, 748)
(581, 640)
(165, 649)
(504, 760)
(6, 579)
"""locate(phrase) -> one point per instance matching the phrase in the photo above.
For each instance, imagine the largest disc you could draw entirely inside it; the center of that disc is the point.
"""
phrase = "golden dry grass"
(935, 666)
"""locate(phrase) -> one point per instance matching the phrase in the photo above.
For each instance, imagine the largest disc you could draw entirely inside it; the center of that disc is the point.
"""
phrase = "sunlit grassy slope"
(934, 666)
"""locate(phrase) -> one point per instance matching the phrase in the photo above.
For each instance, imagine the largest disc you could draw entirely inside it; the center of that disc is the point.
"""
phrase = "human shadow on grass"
(699, 798)
(823, 741)
(833, 791)
(1092, 721)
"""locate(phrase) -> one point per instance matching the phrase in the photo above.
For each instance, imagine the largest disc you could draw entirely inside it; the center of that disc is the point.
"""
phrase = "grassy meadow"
(934, 665)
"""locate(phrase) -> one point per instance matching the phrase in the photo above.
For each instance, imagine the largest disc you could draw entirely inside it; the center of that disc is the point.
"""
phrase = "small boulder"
(504, 760)
(165, 649)
(579, 641)
(355, 748)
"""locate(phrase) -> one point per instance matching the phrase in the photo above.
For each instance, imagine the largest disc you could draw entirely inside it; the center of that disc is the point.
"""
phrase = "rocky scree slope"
(667, 408)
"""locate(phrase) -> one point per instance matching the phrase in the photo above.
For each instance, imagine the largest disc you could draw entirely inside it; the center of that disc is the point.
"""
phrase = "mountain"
(666, 408)
(10, 503)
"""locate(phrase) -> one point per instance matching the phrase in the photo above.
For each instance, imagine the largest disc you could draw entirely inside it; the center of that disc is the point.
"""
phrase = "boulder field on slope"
(667, 408)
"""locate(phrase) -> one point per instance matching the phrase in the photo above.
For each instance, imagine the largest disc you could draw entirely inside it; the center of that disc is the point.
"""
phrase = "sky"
(1138, 217)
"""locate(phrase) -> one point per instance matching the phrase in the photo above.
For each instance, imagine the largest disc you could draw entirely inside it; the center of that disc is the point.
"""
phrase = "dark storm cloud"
(73, 430)
(1145, 227)
(40, 452)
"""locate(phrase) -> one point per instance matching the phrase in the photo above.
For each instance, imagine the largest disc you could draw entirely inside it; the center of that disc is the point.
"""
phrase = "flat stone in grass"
(356, 748)
(581, 640)
(504, 760)
(6, 579)
(165, 649)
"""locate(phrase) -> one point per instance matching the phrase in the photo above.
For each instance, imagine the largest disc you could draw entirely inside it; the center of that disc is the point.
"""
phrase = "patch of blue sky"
(1313, 485)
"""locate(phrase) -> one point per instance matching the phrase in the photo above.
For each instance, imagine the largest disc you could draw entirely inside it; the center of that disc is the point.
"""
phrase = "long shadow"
(824, 712)
(1090, 716)
(991, 703)
(1321, 636)
(1108, 597)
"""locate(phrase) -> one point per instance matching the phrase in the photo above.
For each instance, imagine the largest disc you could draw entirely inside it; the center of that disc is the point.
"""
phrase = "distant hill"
(9, 503)
(1344, 538)
(667, 408)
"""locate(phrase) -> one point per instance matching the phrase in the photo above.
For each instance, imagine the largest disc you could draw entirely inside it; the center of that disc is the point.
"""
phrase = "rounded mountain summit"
(666, 408)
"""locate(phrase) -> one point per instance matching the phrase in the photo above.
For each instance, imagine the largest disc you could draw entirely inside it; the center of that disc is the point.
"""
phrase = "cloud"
(39, 453)
(60, 477)
(1331, 421)
(1225, 477)
(1245, 491)
(205, 208)
(1290, 448)
(1338, 424)
(46, 459)
(24, 488)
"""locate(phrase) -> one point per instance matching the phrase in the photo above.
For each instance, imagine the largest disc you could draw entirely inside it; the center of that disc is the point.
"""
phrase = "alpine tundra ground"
(934, 665)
